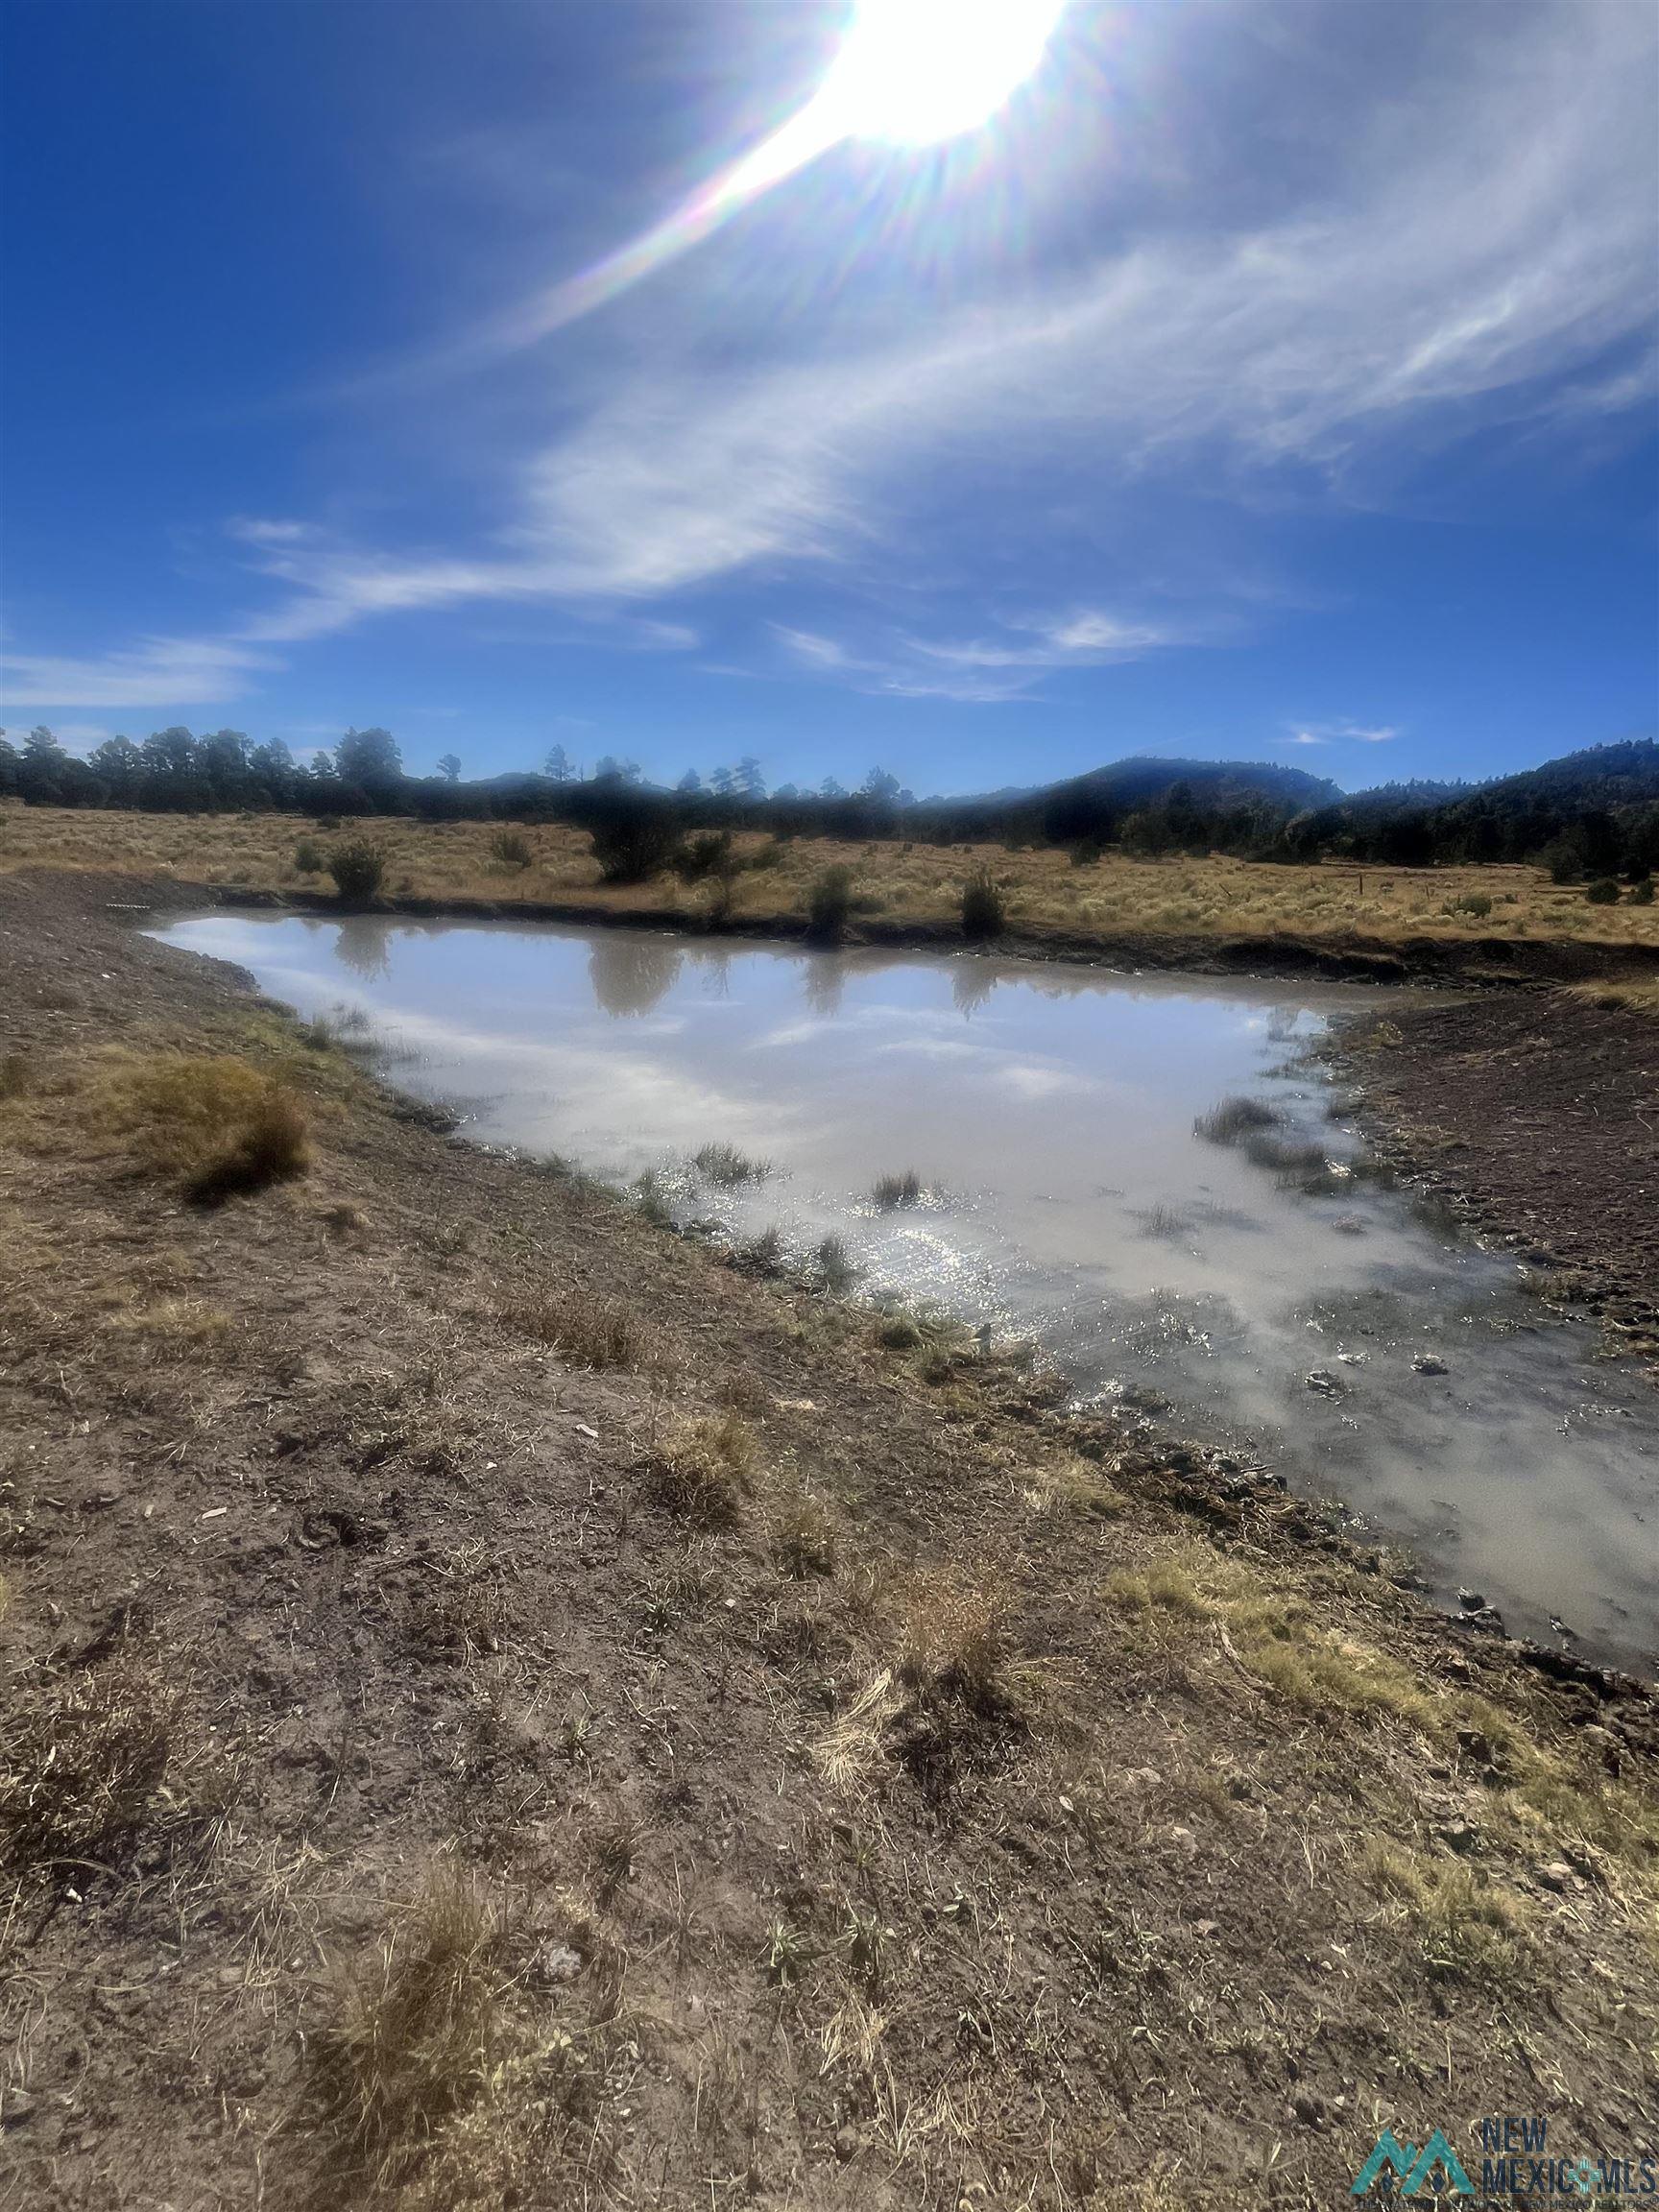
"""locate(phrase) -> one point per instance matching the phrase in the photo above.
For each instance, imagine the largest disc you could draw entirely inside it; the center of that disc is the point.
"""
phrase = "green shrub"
(634, 845)
(358, 867)
(707, 854)
(1642, 893)
(512, 849)
(1603, 892)
(828, 905)
(984, 909)
(1475, 903)
(309, 858)
(835, 1270)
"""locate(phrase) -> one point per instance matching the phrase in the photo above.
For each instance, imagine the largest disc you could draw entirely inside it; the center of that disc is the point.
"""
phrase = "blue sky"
(1262, 381)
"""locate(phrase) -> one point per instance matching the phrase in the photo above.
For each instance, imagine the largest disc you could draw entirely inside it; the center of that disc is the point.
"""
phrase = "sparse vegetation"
(1234, 1120)
(1465, 1925)
(412, 2030)
(895, 1190)
(1178, 895)
(833, 1267)
(725, 1166)
(92, 1759)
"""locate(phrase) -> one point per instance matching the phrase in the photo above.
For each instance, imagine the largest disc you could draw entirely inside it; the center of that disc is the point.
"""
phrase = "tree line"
(1591, 814)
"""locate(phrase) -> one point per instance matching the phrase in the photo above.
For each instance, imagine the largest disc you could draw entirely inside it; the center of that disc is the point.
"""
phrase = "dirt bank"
(503, 1709)
(1539, 1113)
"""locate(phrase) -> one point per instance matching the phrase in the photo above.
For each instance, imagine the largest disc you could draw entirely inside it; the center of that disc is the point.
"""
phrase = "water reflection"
(363, 945)
(632, 974)
(1316, 1320)
(823, 983)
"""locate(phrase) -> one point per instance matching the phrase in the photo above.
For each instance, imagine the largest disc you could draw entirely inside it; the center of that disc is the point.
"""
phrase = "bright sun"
(916, 71)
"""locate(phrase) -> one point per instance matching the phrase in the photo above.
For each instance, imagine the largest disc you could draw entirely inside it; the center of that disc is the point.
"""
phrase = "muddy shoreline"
(1537, 1121)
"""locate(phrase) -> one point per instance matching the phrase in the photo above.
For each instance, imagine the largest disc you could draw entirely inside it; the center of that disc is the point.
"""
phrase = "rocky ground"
(505, 1709)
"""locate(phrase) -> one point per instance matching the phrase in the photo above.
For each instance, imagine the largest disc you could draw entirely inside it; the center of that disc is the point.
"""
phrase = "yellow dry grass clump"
(215, 1124)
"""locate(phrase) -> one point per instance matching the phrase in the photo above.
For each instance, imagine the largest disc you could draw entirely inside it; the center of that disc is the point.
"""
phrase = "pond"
(1256, 1282)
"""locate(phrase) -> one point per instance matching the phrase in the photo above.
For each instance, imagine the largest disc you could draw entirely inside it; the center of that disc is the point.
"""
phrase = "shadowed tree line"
(1590, 814)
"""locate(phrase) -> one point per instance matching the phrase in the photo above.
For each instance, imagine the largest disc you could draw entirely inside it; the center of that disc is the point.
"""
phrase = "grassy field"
(893, 884)
(506, 1709)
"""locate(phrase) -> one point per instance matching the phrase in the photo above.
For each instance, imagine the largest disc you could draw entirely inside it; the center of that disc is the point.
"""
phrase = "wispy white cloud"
(1343, 732)
(983, 669)
(156, 672)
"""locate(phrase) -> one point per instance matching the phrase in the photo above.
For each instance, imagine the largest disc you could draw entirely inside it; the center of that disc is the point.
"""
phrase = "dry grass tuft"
(703, 1465)
(215, 1125)
(584, 1329)
(414, 2031)
(724, 1164)
(1274, 1640)
(966, 1689)
(1466, 1927)
(1234, 1120)
(891, 1191)
(1075, 1486)
(101, 1756)
(804, 1536)
(1612, 991)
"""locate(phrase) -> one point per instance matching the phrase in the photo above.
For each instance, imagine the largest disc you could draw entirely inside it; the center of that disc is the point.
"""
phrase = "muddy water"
(1336, 1334)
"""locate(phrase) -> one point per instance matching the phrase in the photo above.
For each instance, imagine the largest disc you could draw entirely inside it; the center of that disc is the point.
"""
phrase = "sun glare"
(917, 71)
(910, 72)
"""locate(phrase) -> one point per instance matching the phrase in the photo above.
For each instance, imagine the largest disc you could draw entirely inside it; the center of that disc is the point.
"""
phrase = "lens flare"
(910, 72)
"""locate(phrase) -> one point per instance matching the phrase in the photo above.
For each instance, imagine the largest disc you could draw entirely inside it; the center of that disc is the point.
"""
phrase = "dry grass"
(922, 884)
(585, 1328)
(1609, 992)
(215, 1125)
(969, 1690)
(465, 1613)
(804, 1536)
(703, 1465)
(1273, 1639)
(1075, 1486)
(95, 1758)
(1466, 1927)
(894, 1191)
(728, 1167)
(412, 2031)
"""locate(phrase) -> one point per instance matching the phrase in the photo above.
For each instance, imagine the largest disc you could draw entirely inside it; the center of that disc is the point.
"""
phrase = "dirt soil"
(1539, 1113)
(504, 1708)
